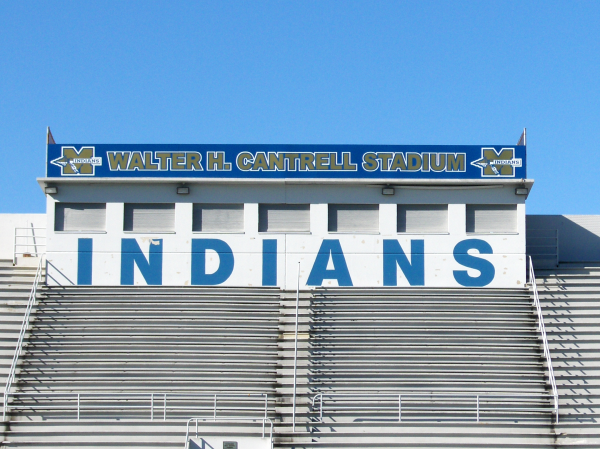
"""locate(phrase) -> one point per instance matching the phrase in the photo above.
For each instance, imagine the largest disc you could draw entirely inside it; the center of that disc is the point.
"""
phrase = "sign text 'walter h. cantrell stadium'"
(287, 161)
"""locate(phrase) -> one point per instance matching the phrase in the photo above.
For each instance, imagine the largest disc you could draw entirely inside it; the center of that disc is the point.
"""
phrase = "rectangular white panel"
(284, 218)
(491, 218)
(422, 218)
(148, 217)
(80, 217)
(354, 218)
(218, 218)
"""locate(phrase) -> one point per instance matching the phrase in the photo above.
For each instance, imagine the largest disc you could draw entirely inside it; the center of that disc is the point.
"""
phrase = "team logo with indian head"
(494, 164)
(77, 163)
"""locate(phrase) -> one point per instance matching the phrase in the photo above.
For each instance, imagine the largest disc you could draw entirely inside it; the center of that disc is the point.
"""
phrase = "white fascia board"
(393, 182)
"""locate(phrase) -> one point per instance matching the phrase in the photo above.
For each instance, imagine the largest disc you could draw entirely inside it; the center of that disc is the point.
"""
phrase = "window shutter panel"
(491, 218)
(354, 218)
(218, 218)
(143, 217)
(422, 218)
(284, 218)
(80, 217)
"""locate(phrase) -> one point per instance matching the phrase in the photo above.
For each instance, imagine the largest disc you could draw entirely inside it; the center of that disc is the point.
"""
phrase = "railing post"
(34, 240)
(321, 410)
(296, 352)
(215, 409)
(266, 404)
(78, 407)
(15, 249)
(399, 408)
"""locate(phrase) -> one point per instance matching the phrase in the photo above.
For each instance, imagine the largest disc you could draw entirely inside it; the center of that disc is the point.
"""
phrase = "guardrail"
(423, 407)
(542, 329)
(109, 405)
(24, 326)
(233, 418)
(31, 240)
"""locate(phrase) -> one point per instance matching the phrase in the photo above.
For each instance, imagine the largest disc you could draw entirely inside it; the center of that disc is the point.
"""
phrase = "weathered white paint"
(363, 252)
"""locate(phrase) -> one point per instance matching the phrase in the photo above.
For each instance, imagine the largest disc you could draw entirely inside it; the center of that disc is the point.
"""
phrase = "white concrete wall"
(362, 253)
(8, 223)
(578, 235)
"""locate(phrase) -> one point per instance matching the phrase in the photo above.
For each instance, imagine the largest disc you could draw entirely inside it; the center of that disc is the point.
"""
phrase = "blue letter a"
(199, 275)
(319, 272)
(151, 269)
(393, 254)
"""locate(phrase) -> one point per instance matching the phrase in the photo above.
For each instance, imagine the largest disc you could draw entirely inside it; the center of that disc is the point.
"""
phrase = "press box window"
(354, 218)
(218, 218)
(80, 217)
(491, 218)
(284, 218)
(145, 217)
(422, 218)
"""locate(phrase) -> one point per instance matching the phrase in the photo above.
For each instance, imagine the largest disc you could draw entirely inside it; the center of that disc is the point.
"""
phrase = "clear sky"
(330, 72)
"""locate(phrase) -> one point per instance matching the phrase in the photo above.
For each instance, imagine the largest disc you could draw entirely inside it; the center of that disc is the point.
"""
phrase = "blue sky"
(352, 72)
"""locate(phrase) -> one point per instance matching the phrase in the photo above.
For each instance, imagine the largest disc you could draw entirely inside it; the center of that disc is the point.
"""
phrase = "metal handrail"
(24, 327)
(542, 329)
(396, 401)
(156, 400)
(296, 352)
(35, 244)
(233, 418)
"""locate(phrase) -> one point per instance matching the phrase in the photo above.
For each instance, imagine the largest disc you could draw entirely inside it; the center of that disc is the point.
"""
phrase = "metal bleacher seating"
(453, 368)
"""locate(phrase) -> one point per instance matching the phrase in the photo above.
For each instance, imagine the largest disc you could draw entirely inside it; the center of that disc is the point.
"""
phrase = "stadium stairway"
(570, 298)
(116, 353)
(184, 341)
(372, 351)
(15, 288)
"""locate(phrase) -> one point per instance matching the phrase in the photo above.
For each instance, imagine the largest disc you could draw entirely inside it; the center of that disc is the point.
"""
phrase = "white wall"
(578, 235)
(8, 223)
(363, 253)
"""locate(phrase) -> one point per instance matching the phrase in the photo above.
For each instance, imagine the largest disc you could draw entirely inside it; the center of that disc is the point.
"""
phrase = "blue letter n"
(150, 268)
(414, 270)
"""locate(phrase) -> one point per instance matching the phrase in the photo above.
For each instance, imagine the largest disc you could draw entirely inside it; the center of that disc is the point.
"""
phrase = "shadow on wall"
(203, 445)
(575, 237)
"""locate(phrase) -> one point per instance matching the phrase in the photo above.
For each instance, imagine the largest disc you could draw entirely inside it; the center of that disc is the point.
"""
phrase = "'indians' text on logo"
(77, 163)
(494, 164)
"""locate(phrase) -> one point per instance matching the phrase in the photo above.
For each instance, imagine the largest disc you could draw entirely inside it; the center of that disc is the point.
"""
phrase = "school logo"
(494, 164)
(77, 163)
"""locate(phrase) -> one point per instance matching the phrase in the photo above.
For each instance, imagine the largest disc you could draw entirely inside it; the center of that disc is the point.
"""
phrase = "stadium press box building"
(279, 215)
(351, 295)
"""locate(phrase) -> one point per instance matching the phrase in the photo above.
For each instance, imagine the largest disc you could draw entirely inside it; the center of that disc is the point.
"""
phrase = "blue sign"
(287, 161)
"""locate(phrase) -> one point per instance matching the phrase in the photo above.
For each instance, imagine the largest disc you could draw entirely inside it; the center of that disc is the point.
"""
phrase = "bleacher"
(570, 296)
(127, 366)
(15, 287)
